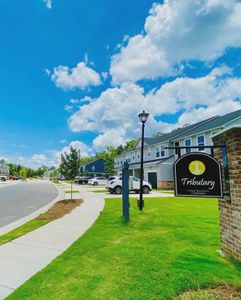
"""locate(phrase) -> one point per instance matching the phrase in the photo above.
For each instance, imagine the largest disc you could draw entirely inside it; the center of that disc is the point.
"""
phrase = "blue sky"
(79, 71)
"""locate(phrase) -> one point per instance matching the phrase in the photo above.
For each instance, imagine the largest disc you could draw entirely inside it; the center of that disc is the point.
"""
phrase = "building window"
(93, 169)
(157, 152)
(149, 154)
(176, 144)
(188, 143)
(201, 142)
(163, 151)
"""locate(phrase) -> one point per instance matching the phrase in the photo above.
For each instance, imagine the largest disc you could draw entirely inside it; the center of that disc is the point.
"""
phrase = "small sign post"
(198, 175)
(125, 192)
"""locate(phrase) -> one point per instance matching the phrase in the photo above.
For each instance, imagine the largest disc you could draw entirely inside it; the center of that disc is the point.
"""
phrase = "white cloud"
(78, 101)
(47, 71)
(113, 116)
(185, 93)
(112, 109)
(79, 77)
(178, 31)
(68, 108)
(80, 146)
(48, 3)
(54, 156)
(112, 137)
(104, 75)
(199, 114)
(38, 159)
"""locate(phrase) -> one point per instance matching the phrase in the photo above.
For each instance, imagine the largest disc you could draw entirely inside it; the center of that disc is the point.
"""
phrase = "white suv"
(115, 186)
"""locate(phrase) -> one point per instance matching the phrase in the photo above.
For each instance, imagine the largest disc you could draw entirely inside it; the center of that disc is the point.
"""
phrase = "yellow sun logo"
(197, 167)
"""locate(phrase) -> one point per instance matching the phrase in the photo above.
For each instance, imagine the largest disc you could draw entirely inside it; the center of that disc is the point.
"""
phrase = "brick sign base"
(230, 207)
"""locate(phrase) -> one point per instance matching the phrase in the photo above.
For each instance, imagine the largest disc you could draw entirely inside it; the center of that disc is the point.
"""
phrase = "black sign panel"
(198, 175)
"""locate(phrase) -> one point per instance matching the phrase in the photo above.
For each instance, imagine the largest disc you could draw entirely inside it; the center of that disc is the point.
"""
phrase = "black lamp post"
(143, 118)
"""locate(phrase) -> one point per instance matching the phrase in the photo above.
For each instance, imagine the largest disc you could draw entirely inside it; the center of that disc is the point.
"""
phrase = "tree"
(130, 145)
(127, 147)
(63, 168)
(70, 164)
(23, 173)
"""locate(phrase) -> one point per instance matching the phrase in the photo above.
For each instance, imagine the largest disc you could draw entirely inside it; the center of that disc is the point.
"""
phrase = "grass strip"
(58, 210)
(69, 192)
(21, 230)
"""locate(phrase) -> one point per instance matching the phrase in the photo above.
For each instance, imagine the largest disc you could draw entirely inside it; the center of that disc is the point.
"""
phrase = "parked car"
(97, 180)
(3, 178)
(82, 179)
(115, 186)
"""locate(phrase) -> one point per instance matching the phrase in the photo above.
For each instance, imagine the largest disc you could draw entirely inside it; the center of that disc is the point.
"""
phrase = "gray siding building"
(158, 161)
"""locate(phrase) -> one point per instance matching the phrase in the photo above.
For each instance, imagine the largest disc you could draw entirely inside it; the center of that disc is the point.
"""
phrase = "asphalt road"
(20, 200)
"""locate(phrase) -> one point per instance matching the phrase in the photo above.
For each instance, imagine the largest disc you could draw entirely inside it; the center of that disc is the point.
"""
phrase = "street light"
(143, 118)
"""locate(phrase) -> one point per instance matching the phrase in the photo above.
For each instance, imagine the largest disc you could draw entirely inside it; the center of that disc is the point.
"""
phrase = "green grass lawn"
(99, 191)
(69, 192)
(169, 247)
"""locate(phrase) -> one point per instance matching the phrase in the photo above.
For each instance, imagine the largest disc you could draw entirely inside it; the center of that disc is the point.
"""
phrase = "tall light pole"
(143, 118)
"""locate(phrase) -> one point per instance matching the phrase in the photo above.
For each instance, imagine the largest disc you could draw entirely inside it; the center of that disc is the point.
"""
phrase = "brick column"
(230, 207)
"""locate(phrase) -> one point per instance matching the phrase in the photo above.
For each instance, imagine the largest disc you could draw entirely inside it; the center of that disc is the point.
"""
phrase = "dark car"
(82, 180)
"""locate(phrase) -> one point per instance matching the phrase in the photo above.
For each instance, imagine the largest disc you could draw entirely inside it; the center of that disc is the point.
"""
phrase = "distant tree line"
(25, 172)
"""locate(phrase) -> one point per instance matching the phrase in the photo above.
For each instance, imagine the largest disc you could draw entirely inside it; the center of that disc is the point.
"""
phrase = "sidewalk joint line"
(34, 246)
(7, 287)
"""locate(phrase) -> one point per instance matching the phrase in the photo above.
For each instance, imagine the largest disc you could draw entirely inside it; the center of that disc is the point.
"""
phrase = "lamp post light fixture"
(143, 118)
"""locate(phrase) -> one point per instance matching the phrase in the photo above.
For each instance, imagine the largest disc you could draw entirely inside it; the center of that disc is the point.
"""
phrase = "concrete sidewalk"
(25, 256)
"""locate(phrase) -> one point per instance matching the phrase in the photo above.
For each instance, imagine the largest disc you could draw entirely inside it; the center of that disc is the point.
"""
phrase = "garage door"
(152, 178)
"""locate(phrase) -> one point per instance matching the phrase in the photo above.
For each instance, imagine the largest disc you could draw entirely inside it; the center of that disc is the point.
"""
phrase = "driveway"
(20, 200)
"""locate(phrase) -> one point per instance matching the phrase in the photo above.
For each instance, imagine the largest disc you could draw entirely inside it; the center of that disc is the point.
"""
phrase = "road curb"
(34, 214)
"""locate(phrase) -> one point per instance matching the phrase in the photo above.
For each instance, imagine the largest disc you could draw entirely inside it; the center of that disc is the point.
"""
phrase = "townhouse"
(158, 161)
(94, 168)
(4, 168)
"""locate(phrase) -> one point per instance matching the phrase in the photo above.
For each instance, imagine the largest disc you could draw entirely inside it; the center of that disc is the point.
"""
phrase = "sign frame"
(198, 195)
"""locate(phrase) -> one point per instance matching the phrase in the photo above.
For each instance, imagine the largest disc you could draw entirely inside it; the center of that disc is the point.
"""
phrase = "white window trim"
(157, 147)
(162, 148)
(204, 141)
